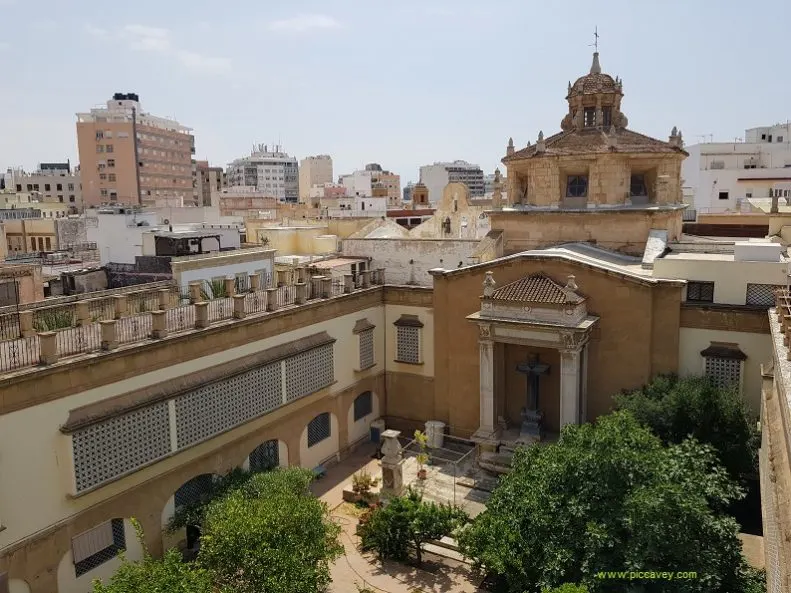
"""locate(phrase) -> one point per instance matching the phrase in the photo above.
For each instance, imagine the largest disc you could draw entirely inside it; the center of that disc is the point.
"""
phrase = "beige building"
(51, 183)
(20, 284)
(313, 171)
(128, 156)
(208, 180)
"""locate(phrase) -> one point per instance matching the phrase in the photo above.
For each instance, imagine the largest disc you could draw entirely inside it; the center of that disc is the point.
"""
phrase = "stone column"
(238, 306)
(570, 386)
(164, 299)
(121, 305)
(282, 277)
(271, 299)
(302, 293)
(201, 315)
(48, 347)
(486, 347)
(159, 325)
(301, 274)
(584, 385)
(83, 312)
(230, 286)
(109, 336)
(326, 287)
(26, 329)
(255, 282)
(348, 283)
(365, 277)
(392, 464)
(381, 273)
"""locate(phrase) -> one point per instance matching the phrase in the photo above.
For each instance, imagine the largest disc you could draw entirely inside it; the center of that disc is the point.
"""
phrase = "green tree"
(611, 497)
(567, 588)
(406, 523)
(270, 535)
(676, 409)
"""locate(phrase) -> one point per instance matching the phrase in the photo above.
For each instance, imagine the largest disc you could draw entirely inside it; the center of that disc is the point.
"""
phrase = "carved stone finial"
(510, 149)
(541, 136)
(540, 145)
(595, 66)
(510, 142)
(674, 131)
(571, 284)
(489, 284)
(497, 175)
(569, 87)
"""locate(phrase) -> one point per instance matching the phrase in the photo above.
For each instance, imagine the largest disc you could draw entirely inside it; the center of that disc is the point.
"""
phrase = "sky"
(402, 83)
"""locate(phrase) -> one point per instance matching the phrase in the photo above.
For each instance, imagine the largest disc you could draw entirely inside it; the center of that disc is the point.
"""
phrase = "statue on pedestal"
(532, 429)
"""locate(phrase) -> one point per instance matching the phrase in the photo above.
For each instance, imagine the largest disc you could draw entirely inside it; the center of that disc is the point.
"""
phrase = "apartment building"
(128, 156)
(272, 172)
(51, 183)
(435, 177)
(208, 180)
(722, 176)
(373, 181)
(313, 171)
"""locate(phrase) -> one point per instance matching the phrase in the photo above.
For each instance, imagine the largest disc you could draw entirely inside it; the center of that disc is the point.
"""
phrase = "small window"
(29, 187)
(60, 198)
(749, 194)
(97, 546)
(589, 115)
(71, 187)
(366, 349)
(103, 192)
(723, 195)
(19, 187)
(71, 199)
(47, 244)
(761, 295)
(102, 177)
(363, 405)
(408, 344)
(111, 177)
(638, 186)
(577, 186)
(769, 138)
(779, 138)
(319, 429)
(99, 134)
(59, 187)
(606, 116)
(99, 148)
(763, 136)
(700, 292)
(46, 187)
(109, 148)
(724, 372)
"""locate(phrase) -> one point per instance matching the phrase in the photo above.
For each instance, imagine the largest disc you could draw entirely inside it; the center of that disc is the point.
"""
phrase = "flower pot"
(421, 474)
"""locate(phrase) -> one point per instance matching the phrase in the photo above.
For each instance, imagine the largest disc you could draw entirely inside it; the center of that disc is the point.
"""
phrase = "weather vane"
(595, 43)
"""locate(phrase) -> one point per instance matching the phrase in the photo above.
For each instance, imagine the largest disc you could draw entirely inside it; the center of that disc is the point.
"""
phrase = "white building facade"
(52, 182)
(313, 171)
(435, 177)
(720, 177)
(272, 172)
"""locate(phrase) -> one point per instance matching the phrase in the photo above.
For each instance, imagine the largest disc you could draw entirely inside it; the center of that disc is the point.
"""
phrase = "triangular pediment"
(539, 289)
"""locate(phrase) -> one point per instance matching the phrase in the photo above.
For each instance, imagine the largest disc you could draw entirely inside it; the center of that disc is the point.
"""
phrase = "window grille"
(363, 405)
(97, 546)
(193, 491)
(319, 429)
(309, 372)
(577, 186)
(700, 292)
(724, 372)
(265, 456)
(761, 294)
(215, 408)
(408, 344)
(366, 349)
(109, 449)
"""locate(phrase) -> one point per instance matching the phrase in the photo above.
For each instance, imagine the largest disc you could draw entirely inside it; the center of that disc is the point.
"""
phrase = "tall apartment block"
(373, 181)
(208, 180)
(272, 172)
(435, 177)
(313, 170)
(128, 156)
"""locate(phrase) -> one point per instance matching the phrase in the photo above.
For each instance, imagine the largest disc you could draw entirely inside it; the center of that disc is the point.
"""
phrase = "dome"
(594, 82)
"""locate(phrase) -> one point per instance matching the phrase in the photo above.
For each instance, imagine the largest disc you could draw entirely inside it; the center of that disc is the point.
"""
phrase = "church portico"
(533, 336)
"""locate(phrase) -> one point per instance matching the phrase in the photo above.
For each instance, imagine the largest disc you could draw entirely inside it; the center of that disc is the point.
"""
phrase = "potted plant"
(362, 482)
(422, 457)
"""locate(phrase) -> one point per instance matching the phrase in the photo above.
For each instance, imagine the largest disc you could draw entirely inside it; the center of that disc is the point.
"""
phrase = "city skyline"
(437, 81)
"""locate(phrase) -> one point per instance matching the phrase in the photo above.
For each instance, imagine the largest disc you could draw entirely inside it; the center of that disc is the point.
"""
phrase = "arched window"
(265, 456)
(193, 491)
(363, 405)
(319, 429)
(577, 186)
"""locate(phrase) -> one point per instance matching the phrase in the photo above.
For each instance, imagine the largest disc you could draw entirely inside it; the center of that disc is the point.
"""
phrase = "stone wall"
(70, 231)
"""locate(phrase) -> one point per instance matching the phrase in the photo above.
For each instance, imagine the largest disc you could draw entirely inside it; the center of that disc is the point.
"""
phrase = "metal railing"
(20, 353)
(255, 302)
(218, 309)
(133, 329)
(180, 318)
(79, 340)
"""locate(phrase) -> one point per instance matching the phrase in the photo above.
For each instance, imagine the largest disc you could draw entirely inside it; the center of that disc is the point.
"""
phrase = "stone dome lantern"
(594, 101)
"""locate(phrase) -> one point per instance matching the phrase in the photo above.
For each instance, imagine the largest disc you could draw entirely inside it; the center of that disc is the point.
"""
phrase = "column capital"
(573, 341)
(485, 332)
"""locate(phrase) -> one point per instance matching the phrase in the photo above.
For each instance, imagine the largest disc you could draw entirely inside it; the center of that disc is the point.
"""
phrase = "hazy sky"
(401, 83)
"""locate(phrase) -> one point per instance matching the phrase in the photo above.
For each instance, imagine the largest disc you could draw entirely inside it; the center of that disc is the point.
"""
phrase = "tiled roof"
(537, 288)
(596, 140)
(591, 84)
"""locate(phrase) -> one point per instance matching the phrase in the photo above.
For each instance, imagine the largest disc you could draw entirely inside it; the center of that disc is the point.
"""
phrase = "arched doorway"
(191, 493)
(267, 456)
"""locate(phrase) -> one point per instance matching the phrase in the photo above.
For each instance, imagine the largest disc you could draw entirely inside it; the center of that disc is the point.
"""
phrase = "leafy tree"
(168, 575)
(567, 588)
(270, 535)
(610, 497)
(676, 409)
(407, 522)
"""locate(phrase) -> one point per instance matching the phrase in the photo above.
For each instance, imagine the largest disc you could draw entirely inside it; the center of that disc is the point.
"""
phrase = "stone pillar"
(282, 277)
(26, 324)
(365, 277)
(570, 386)
(584, 385)
(109, 336)
(326, 287)
(301, 273)
(486, 347)
(238, 306)
(348, 283)
(159, 325)
(121, 305)
(230, 286)
(392, 464)
(381, 273)
(255, 282)
(164, 299)
(302, 293)
(271, 299)
(48, 347)
(83, 311)
(195, 292)
(201, 315)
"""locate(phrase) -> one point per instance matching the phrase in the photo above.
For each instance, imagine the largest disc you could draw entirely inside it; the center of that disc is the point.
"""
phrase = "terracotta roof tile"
(537, 288)
(595, 140)
(594, 83)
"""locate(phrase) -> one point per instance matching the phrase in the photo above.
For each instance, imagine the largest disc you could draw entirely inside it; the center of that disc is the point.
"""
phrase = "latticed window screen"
(366, 349)
(97, 546)
(724, 372)
(319, 429)
(265, 456)
(309, 371)
(761, 294)
(700, 292)
(109, 449)
(408, 344)
(215, 408)
(193, 491)
(363, 405)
